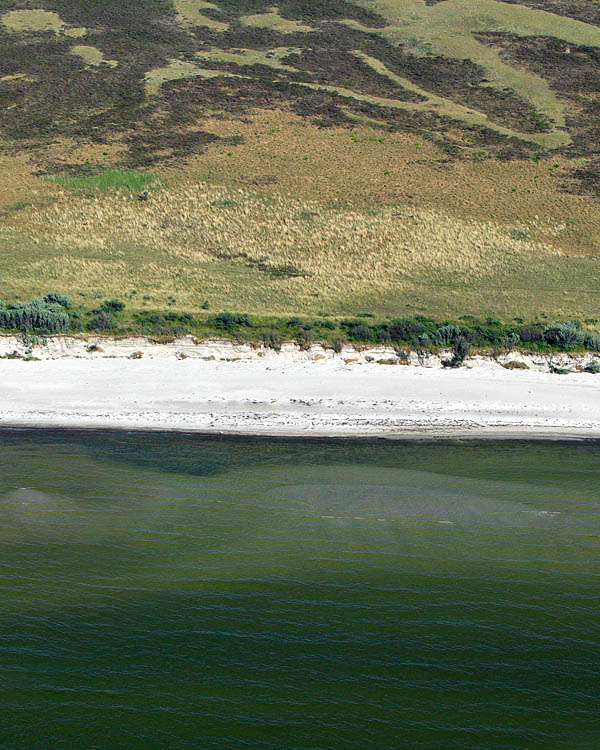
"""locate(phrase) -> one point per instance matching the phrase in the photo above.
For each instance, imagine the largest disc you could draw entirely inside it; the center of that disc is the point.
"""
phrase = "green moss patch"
(112, 179)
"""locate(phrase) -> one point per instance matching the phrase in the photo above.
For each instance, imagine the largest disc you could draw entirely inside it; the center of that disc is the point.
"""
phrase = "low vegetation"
(244, 247)
(55, 314)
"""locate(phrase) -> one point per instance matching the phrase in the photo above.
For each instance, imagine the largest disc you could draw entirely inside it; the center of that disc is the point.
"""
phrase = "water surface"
(178, 591)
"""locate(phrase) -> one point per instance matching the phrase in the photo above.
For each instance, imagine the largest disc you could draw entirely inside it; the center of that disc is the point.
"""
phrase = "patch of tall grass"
(130, 182)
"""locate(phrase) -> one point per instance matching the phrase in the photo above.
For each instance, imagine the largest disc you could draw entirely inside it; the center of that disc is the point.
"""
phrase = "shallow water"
(188, 592)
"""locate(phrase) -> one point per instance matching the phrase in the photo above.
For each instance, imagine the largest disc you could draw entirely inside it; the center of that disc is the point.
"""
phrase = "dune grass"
(196, 242)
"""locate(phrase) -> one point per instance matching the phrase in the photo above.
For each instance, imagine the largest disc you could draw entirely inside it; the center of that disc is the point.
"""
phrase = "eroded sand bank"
(226, 388)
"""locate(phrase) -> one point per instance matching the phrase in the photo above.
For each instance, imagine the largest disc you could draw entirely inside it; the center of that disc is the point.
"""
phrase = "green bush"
(112, 306)
(461, 348)
(36, 315)
(328, 324)
(103, 320)
(167, 324)
(445, 335)
(348, 323)
(361, 333)
(405, 329)
(272, 339)
(565, 335)
(60, 299)
(592, 342)
(227, 321)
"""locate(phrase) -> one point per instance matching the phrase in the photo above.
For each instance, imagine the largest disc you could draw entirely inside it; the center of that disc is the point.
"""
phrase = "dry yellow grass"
(176, 70)
(369, 167)
(273, 20)
(92, 55)
(203, 222)
(189, 14)
(32, 20)
(38, 19)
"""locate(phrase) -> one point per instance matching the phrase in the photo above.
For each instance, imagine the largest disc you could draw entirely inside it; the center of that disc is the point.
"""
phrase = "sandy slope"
(292, 394)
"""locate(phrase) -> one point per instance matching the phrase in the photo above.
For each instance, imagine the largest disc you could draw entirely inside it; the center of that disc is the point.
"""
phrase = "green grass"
(112, 179)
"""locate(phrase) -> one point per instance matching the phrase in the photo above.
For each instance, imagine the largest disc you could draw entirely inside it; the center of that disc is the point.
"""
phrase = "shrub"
(461, 348)
(592, 342)
(565, 335)
(305, 339)
(531, 333)
(37, 315)
(272, 339)
(383, 335)
(445, 335)
(361, 333)
(476, 335)
(405, 329)
(102, 321)
(60, 299)
(351, 322)
(112, 306)
(508, 342)
(179, 317)
(328, 324)
(230, 321)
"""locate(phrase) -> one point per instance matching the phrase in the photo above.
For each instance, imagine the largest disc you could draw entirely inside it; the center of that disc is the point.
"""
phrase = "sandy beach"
(218, 387)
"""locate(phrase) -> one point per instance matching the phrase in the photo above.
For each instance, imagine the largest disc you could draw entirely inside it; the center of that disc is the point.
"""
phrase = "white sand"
(292, 393)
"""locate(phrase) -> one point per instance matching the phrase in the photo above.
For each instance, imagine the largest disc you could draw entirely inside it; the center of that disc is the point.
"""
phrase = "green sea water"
(178, 591)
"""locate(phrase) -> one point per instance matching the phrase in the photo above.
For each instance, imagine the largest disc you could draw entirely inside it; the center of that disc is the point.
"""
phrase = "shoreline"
(423, 435)
(234, 389)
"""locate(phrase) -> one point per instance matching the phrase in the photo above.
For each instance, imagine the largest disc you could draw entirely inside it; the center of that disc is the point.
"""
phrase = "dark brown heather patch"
(101, 104)
(574, 73)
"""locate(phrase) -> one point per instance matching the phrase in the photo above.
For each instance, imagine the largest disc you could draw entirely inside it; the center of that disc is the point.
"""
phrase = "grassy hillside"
(439, 157)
